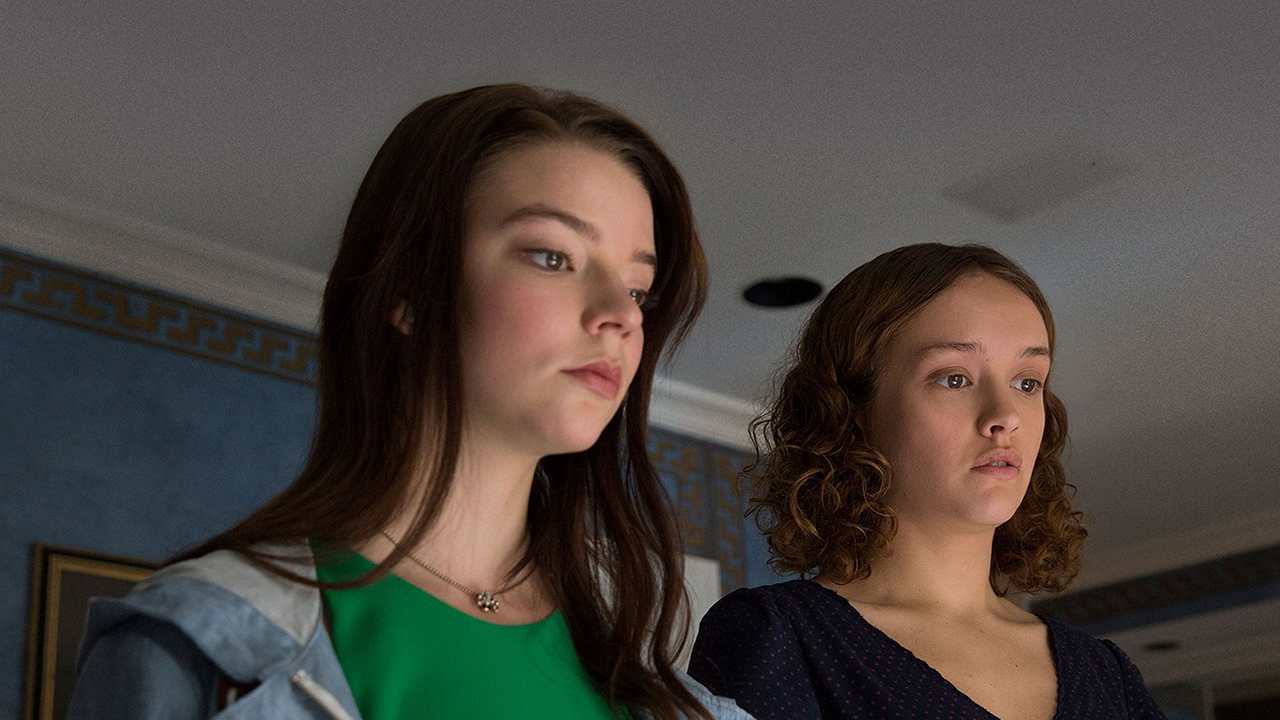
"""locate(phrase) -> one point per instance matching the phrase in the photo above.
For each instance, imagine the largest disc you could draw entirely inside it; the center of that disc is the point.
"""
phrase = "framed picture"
(62, 581)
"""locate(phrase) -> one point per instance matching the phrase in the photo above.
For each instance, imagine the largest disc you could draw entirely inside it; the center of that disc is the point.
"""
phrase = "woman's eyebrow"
(960, 347)
(978, 349)
(574, 223)
(544, 212)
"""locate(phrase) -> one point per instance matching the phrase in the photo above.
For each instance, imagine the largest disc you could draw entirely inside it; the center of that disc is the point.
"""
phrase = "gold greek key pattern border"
(731, 506)
(74, 297)
(702, 478)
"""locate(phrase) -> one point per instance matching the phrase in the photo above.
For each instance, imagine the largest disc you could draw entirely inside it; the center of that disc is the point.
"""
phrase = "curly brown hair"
(821, 486)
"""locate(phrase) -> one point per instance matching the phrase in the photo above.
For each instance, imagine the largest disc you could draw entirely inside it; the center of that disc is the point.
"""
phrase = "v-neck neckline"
(931, 670)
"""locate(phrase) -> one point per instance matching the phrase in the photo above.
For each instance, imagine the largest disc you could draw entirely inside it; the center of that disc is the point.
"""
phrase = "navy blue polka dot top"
(799, 650)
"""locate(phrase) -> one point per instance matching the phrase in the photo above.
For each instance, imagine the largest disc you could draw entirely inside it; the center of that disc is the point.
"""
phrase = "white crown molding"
(146, 253)
(1230, 645)
(1234, 661)
(1188, 547)
(691, 410)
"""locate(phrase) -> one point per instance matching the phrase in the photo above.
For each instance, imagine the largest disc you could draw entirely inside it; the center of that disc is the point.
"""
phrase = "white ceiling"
(813, 137)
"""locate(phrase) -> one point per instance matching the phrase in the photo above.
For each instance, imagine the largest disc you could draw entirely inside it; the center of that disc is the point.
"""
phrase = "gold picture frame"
(62, 581)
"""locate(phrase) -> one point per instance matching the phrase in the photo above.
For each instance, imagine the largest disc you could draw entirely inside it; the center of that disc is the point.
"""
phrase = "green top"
(408, 655)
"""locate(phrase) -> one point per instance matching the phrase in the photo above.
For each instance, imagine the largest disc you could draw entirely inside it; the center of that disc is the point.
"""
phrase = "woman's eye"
(1028, 385)
(548, 259)
(641, 297)
(954, 381)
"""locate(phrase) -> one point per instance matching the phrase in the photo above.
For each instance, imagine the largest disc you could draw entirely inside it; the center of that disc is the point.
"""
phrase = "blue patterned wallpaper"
(702, 480)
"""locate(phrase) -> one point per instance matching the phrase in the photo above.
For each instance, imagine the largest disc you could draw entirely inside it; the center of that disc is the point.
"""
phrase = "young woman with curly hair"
(478, 531)
(912, 473)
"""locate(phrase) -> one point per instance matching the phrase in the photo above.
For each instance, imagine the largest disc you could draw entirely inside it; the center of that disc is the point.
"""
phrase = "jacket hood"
(246, 619)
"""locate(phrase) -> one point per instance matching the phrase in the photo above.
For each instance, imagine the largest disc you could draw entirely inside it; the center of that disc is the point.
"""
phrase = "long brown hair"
(821, 486)
(387, 400)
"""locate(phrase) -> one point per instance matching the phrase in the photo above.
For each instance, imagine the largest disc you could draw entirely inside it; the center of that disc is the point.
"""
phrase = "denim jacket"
(172, 645)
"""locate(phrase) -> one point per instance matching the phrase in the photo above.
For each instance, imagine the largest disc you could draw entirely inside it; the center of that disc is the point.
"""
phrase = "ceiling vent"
(782, 292)
(1032, 184)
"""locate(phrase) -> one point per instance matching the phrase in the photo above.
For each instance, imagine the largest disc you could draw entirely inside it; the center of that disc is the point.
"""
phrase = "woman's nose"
(999, 415)
(612, 306)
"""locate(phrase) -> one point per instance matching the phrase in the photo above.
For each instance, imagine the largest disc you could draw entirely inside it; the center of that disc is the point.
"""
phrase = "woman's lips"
(1000, 472)
(602, 377)
(1001, 463)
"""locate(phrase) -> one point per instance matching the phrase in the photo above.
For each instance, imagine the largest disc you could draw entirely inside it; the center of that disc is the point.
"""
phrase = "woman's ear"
(402, 318)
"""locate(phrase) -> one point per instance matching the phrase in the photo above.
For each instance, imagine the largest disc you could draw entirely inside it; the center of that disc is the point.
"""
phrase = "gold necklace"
(486, 600)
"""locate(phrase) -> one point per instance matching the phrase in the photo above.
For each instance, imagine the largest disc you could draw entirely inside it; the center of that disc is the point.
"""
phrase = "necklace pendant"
(487, 602)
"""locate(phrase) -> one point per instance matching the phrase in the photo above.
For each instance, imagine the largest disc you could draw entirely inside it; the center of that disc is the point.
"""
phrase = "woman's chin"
(996, 516)
(573, 440)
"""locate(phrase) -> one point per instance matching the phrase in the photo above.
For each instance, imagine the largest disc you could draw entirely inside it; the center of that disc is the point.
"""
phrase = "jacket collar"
(246, 619)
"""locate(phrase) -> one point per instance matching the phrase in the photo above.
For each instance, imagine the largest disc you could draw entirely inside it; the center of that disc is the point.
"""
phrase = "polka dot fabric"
(798, 650)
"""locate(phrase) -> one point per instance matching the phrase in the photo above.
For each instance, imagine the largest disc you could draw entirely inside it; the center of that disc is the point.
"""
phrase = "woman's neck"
(930, 570)
(481, 531)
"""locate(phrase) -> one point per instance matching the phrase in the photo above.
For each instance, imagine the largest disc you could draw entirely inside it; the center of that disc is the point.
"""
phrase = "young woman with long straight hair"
(478, 531)
(910, 473)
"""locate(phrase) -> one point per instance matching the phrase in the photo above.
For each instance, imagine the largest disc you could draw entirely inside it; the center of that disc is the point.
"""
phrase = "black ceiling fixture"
(782, 292)
(1162, 646)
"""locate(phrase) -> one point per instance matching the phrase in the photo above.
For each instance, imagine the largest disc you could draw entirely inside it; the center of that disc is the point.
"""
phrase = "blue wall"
(137, 423)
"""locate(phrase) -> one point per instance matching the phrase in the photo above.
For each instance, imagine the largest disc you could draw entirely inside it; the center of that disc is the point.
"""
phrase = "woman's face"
(559, 254)
(959, 406)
